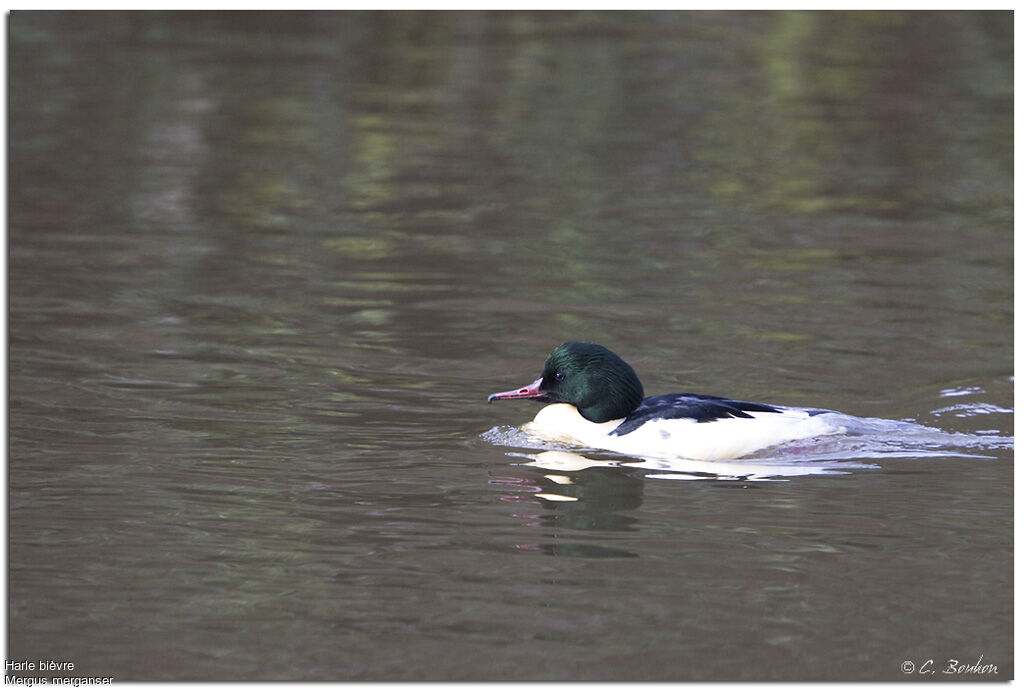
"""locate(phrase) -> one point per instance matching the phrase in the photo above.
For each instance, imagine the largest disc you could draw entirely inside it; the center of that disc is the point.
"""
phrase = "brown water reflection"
(265, 268)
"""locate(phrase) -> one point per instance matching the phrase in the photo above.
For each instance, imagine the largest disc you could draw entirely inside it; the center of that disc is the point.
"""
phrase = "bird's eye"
(559, 376)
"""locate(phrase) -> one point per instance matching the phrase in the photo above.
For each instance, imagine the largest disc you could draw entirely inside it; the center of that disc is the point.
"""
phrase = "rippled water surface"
(265, 270)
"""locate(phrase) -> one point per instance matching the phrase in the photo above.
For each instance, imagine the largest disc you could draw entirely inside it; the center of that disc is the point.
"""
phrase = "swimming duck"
(597, 400)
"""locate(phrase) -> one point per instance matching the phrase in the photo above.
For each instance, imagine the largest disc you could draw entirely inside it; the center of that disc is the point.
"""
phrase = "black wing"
(701, 408)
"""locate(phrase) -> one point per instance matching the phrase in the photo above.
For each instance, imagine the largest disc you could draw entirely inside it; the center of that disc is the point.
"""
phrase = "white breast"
(722, 439)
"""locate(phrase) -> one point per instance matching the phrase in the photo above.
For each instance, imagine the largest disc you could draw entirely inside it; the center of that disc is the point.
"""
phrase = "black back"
(702, 408)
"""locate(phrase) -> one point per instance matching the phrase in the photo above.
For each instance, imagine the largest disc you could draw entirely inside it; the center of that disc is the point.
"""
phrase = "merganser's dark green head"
(592, 378)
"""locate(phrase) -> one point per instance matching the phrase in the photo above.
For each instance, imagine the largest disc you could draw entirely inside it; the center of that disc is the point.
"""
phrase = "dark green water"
(265, 269)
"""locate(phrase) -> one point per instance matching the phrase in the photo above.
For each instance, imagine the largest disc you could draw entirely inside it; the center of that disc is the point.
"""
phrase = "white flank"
(721, 439)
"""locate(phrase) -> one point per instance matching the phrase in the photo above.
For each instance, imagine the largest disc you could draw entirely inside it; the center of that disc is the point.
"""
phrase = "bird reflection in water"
(571, 492)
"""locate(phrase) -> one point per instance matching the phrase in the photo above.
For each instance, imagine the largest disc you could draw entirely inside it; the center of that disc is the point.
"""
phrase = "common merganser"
(597, 401)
